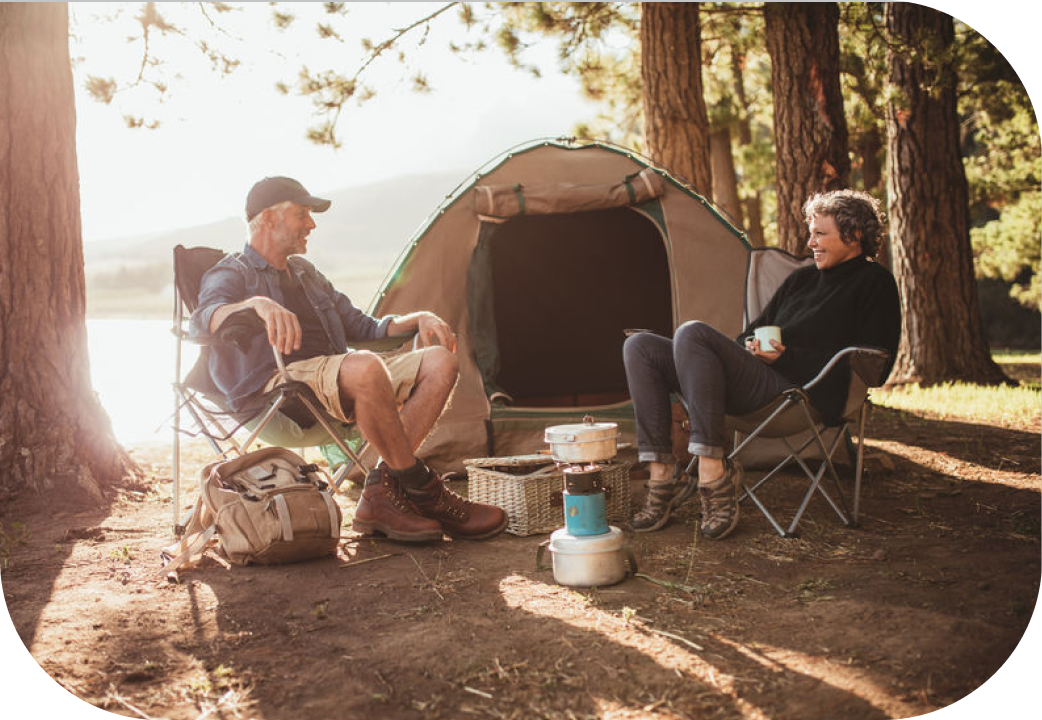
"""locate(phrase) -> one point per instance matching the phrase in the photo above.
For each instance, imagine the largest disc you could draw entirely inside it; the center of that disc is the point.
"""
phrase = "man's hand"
(283, 327)
(430, 329)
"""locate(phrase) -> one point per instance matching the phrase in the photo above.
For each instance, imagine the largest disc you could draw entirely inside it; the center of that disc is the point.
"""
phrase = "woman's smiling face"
(827, 245)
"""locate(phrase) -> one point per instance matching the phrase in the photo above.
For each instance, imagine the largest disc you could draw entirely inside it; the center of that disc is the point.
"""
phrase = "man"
(395, 400)
(844, 299)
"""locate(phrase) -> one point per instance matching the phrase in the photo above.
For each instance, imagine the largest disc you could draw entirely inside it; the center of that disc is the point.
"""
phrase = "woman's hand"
(752, 344)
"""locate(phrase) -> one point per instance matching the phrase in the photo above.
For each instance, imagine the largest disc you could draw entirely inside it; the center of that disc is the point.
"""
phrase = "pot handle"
(631, 560)
(539, 553)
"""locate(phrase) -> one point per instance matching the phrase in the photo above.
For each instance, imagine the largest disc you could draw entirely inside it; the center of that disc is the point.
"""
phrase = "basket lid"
(511, 461)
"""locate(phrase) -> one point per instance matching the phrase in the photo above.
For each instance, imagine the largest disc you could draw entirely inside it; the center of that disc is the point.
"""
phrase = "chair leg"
(815, 477)
(859, 464)
(355, 457)
(176, 464)
(766, 513)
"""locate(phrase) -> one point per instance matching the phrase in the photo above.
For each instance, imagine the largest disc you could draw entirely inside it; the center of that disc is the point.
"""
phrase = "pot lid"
(581, 432)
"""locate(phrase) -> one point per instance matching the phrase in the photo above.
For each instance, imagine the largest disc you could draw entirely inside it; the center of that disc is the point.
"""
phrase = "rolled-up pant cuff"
(664, 457)
(710, 451)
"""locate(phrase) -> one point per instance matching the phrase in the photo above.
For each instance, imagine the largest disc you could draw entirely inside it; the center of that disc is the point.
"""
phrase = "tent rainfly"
(540, 264)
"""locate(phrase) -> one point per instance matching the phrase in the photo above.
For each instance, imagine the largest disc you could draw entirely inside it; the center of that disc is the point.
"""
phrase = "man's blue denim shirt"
(239, 276)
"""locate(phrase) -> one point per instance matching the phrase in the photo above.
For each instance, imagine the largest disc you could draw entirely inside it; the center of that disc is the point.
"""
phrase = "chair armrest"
(239, 327)
(868, 362)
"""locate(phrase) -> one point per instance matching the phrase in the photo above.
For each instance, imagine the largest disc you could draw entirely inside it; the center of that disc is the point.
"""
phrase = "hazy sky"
(220, 135)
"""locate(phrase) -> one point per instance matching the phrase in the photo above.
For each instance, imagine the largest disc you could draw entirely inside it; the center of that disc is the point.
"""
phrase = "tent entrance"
(560, 291)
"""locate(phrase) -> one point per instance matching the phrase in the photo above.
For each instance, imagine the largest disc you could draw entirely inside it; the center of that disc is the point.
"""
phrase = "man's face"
(292, 225)
(827, 245)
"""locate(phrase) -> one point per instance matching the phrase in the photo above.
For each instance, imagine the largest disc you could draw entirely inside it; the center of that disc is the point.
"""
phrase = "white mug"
(765, 334)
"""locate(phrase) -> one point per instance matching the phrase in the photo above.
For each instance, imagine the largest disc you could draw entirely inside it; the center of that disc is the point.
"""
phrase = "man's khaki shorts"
(320, 374)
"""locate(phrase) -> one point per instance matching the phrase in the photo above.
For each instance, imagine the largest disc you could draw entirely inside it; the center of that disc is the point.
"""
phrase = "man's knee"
(439, 363)
(362, 370)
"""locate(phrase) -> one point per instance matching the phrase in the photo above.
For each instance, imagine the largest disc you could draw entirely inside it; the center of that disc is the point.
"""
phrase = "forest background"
(598, 46)
(897, 98)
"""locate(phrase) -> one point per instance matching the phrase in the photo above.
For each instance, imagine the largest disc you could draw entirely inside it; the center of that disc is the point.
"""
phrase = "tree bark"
(942, 337)
(54, 435)
(676, 126)
(810, 130)
(753, 214)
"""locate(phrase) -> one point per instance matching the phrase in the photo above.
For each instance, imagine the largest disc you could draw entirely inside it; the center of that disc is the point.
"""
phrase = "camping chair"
(791, 419)
(288, 416)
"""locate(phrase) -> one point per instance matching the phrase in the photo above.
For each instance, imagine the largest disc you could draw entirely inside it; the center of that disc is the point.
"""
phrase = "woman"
(844, 299)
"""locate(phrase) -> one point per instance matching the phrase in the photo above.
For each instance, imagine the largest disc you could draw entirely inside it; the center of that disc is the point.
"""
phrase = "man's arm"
(283, 328)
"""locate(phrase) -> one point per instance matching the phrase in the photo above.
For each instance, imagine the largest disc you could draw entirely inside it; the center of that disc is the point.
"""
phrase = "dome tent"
(540, 262)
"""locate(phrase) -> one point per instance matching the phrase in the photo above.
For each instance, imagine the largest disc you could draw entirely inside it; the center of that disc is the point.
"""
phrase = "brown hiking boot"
(459, 517)
(384, 507)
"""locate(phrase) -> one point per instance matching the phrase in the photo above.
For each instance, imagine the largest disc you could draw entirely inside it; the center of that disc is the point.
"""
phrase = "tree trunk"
(942, 337)
(753, 214)
(54, 435)
(725, 181)
(810, 130)
(676, 127)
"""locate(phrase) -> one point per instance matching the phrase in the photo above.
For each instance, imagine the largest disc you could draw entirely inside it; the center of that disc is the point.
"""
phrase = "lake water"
(132, 368)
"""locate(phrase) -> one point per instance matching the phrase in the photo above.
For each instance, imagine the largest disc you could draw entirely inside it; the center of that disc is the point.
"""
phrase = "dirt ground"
(907, 613)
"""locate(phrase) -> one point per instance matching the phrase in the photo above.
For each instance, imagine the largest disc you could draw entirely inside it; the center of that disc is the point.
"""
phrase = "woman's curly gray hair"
(857, 214)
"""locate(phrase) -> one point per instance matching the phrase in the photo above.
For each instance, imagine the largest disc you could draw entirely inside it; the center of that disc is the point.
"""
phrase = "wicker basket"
(529, 488)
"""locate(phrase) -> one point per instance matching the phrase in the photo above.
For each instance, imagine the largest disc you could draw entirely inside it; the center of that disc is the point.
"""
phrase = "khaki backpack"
(266, 507)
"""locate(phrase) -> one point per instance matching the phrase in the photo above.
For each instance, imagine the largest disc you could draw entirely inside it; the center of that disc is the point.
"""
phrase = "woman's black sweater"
(820, 312)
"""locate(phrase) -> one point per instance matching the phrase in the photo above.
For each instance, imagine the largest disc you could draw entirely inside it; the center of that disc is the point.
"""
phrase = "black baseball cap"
(274, 190)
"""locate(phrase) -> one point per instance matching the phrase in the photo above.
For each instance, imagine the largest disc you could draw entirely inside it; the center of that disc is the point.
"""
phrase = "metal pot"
(587, 442)
(596, 560)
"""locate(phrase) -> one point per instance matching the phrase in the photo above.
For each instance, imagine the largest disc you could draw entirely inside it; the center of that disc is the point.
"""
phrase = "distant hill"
(355, 244)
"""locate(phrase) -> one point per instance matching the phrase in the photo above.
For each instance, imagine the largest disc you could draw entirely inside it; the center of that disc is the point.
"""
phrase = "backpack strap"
(282, 511)
(189, 550)
(334, 514)
(190, 547)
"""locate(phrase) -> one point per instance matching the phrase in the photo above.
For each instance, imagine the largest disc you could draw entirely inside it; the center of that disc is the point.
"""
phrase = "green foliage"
(1008, 248)
(599, 44)
(1003, 159)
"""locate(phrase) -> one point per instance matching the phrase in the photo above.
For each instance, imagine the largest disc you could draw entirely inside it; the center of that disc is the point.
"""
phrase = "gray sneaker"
(720, 502)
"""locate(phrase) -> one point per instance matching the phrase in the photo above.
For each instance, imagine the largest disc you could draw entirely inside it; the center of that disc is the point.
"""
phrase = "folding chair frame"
(796, 399)
(208, 421)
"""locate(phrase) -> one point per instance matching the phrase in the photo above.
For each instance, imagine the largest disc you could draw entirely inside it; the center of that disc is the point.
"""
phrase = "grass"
(1003, 406)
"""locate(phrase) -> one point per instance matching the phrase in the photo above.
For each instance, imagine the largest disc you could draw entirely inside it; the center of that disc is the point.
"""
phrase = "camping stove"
(579, 451)
(586, 551)
(584, 506)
